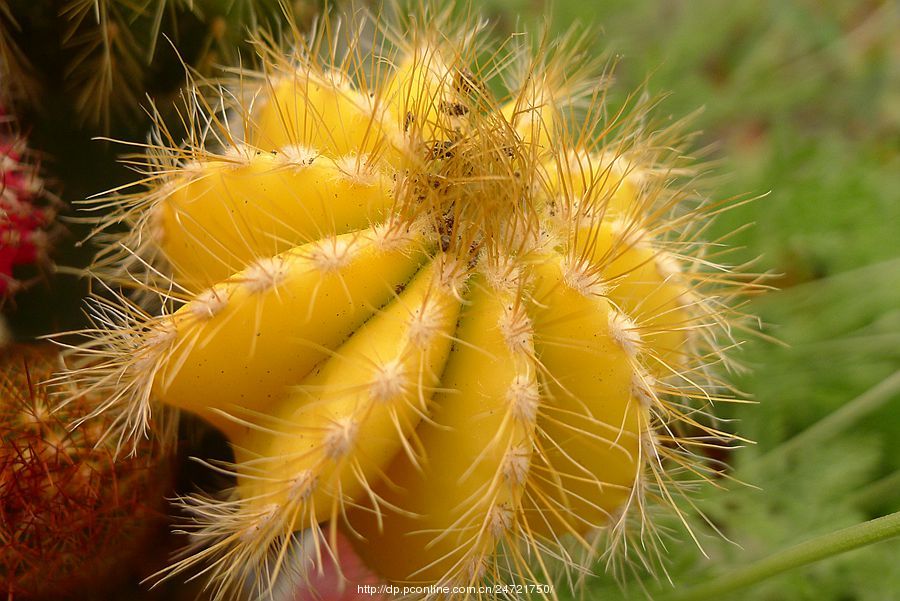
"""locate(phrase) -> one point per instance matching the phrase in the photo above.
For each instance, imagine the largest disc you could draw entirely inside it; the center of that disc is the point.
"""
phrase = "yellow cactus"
(225, 214)
(464, 498)
(474, 333)
(356, 410)
(321, 109)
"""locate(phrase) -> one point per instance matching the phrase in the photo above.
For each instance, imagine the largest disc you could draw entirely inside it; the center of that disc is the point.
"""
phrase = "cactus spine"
(469, 332)
(74, 519)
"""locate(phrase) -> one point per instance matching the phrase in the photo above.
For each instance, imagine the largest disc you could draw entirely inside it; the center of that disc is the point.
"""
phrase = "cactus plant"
(475, 330)
(72, 517)
(109, 50)
(27, 213)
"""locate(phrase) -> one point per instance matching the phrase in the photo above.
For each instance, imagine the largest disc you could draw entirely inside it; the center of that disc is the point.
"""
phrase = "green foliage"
(810, 494)
(108, 54)
(843, 336)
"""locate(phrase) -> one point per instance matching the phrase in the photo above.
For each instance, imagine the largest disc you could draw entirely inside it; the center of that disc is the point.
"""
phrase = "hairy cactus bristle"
(109, 53)
(73, 518)
(476, 332)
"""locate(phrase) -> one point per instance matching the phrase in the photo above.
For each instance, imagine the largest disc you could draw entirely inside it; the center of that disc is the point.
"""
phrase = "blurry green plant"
(109, 50)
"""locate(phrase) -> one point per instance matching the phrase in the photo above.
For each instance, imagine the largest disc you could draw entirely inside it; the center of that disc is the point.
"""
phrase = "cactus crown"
(477, 331)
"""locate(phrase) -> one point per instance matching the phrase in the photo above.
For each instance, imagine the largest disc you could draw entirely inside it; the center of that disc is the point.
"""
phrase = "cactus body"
(27, 213)
(322, 110)
(420, 320)
(355, 412)
(249, 337)
(73, 519)
(462, 501)
(589, 405)
(227, 214)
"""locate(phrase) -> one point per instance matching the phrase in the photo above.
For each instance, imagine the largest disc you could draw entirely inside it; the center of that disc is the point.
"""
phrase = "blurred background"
(800, 106)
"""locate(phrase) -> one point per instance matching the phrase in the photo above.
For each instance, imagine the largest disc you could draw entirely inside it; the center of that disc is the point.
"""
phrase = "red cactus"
(27, 212)
(72, 515)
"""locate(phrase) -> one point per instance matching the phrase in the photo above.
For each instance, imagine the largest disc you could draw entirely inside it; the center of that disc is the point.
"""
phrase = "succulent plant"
(439, 295)
(108, 50)
(73, 517)
(27, 213)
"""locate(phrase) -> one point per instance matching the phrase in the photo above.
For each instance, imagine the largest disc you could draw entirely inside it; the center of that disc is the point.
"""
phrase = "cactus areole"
(473, 330)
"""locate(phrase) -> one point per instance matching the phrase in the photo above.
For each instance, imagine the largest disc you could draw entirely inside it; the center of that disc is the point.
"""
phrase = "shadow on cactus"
(439, 295)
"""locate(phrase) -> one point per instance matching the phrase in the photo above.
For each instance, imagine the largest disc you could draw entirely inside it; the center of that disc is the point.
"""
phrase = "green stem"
(803, 554)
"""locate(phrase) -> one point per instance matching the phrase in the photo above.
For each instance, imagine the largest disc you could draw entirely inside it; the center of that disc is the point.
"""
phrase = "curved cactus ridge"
(477, 334)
